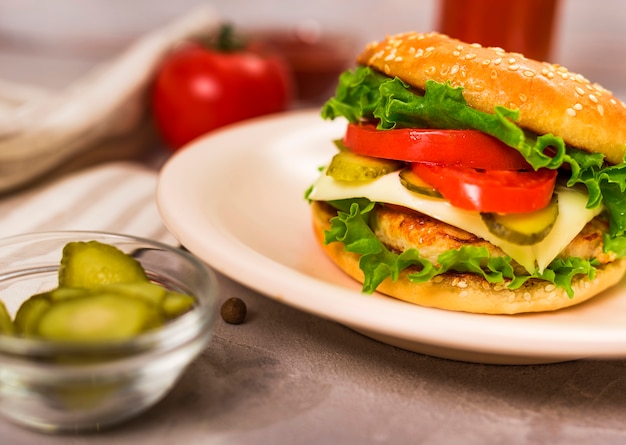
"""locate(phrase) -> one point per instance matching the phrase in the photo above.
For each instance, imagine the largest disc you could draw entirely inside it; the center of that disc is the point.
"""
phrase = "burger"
(473, 179)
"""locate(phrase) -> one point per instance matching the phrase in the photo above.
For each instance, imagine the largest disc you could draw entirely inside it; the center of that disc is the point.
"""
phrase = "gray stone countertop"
(288, 377)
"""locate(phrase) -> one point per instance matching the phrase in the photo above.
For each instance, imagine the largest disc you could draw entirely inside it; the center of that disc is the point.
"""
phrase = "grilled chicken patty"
(406, 229)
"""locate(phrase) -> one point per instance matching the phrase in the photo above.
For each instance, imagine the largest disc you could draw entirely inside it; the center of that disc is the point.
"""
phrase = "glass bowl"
(54, 386)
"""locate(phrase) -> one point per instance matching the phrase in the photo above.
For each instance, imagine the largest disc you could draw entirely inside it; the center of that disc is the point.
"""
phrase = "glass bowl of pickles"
(95, 327)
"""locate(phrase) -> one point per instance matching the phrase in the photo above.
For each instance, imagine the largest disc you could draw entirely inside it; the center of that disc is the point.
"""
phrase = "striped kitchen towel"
(114, 197)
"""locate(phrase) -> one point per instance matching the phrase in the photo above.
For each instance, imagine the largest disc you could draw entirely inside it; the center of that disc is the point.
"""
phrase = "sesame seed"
(577, 107)
(387, 69)
(398, 59)
(419, 53)
(454, 69)
(486, 62)
(529, 73)
(552, 294)
(462, 284)
(512, 60)
(513, 67)
(593, 98)
(613, 101)
(580, 91)
(493, 74)
(470, 56)
(445, 70)
(571, 112)
(464, 294)
(549, 287)
(430, 70)
(456, 53)
(459, 47)
(527, 296)
(523, 97)
(476, 45)
(498, 61)
(389, 57)
(601, 110)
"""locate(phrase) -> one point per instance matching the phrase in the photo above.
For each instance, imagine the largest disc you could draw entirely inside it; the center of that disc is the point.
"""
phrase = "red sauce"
(316, 60)
(523, 26)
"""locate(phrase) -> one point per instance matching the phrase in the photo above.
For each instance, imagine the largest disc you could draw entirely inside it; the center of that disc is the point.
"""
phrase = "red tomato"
(469, 148)
(500, 191)
(198, 89)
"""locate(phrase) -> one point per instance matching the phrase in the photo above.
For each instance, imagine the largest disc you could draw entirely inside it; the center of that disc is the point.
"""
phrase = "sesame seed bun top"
(550, 99)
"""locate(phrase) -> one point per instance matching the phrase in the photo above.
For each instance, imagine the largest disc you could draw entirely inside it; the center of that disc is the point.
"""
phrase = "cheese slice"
(573, 214)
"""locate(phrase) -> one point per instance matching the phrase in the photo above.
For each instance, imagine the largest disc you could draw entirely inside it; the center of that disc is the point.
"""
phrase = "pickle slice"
(175, 304)
(414, 183)
(523, 228)
(62, 293)
(348, 166)
(149, 292)
(6, 324)
(90, 264)
(30, 311)
(101, 317)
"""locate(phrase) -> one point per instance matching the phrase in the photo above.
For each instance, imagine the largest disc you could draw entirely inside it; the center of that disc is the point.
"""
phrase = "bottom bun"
(469, 292)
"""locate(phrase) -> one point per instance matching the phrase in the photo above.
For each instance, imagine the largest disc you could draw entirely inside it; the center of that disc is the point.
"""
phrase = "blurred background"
(52, 42)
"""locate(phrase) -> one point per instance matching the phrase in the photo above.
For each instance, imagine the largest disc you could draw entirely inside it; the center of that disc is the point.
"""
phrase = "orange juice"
(524, 26)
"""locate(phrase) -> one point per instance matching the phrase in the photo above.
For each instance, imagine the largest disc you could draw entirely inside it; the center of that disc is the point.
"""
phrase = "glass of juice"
(523, 26)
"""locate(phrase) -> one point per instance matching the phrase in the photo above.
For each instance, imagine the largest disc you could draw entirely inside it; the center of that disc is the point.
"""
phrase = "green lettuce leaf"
(351, 227)
(364, 94)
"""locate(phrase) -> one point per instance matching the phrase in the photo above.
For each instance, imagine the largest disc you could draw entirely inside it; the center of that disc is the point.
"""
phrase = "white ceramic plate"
(235, 199)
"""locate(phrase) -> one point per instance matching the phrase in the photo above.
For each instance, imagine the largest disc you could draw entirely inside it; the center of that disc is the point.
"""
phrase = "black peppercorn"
(234, 311)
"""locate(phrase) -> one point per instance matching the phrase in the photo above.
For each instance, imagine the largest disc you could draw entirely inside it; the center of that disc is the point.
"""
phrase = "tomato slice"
(499, 191)
(467, 148)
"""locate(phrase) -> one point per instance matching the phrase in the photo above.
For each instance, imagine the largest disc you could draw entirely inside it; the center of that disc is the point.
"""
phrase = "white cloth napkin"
(114, 197)
(41, 130)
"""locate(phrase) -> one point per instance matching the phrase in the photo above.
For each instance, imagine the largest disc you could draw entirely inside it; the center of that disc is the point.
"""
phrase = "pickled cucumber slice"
(6, 324)
(149, 292)
(62, 293)
(90, 264)
(29, 313)
(348, 166)
(523, 228)
(176, 304)
(102, 317)
(414, 183)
